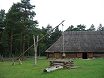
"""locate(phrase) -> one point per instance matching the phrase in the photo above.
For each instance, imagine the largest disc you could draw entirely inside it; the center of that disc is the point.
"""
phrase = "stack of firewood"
(64, 63)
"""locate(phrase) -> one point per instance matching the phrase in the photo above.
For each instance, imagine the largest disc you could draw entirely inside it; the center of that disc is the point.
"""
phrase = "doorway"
(84, 56)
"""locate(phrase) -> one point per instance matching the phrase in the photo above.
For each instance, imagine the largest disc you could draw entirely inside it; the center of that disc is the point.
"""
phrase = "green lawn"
(88, 69)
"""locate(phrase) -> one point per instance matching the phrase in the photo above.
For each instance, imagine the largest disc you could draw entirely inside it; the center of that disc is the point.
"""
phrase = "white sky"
(75, 12)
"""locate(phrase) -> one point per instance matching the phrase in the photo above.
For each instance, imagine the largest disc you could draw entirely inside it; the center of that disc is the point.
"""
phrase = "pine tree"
(92, 28)
(100, 28)
(19, 23)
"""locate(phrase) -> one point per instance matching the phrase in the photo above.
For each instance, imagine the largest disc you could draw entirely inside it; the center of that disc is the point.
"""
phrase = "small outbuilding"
(78, 44)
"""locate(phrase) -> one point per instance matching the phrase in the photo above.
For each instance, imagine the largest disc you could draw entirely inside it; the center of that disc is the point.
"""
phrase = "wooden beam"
(35, 48)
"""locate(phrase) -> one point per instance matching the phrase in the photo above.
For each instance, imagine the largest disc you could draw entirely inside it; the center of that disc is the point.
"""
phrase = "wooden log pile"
(59, 64)
(62, 62)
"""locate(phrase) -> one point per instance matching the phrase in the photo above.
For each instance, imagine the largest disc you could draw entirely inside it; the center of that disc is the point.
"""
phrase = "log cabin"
(78, 44)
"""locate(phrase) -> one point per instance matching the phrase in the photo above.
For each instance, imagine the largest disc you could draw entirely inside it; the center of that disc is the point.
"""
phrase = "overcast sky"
(75, 12)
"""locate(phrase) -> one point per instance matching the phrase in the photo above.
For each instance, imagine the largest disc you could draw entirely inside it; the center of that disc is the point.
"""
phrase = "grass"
(88, 69)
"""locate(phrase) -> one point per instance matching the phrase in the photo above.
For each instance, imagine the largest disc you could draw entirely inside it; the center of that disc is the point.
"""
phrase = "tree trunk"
(11, 44)
(28, 45)
(23, 47)
(21, 42)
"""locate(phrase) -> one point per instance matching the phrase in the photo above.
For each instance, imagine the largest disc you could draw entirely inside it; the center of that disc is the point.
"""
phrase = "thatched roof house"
(82, 44)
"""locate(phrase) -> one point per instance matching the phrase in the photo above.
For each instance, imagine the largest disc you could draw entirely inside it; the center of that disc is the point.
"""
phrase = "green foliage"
(49, 39)
(71, 28)
(2, 17)
(2, 26)
(78, 28)
(81, 27)
(55, 35)
(19, 28)
(100, 28)
(92, 28)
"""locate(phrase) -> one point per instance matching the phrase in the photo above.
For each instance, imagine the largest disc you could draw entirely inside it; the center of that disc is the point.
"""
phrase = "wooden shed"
(78, 44)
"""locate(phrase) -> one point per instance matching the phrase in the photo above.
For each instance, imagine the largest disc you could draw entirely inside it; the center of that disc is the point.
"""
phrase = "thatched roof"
(79, 41)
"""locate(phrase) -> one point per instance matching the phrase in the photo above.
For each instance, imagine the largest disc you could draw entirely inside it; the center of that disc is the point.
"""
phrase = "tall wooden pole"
(37, 40)
(35, 54)
(35, 48)
(63, 42)
(63, 37)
